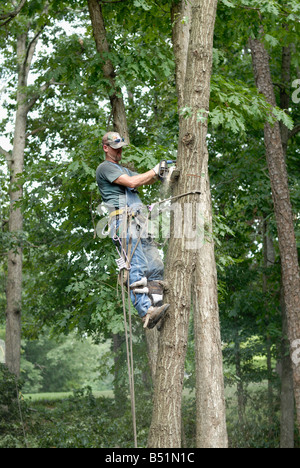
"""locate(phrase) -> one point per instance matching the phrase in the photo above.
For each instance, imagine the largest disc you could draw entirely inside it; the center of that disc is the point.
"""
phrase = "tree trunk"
(186, 257)
(152, 348)
(181, 15)
(283, 213)
(287, 403)
(114, 92)
(269, 260)
(119, 394)
(285, 92)
(210, 401)
(240, 384)
(15, 161)
(14, 268)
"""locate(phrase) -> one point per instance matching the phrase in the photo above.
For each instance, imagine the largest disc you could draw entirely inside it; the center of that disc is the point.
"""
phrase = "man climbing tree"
(128, 228)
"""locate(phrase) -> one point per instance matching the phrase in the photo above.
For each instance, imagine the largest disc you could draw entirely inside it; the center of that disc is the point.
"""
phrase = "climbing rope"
(129, 347)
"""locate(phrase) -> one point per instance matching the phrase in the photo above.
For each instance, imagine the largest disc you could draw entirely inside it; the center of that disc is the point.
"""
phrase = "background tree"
(283, 210)
(26, 41)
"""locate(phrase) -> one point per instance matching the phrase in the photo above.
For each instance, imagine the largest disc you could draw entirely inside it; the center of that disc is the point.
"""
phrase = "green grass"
(56, 396)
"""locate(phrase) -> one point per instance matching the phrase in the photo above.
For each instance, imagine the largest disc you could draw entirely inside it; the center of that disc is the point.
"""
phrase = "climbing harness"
(122, 262)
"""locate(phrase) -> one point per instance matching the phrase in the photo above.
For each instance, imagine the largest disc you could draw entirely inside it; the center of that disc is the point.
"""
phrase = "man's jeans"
(146, 260)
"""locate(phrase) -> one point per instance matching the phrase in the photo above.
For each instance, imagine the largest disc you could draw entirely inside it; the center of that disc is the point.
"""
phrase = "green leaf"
(228, 3)
(271, 40)
(143, 4)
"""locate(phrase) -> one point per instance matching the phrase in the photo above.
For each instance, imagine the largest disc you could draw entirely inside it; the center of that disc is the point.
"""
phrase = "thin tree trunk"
(119, 394)
(287, 403)
(14, 265)
(15, 162)
(285, 92)
(181, 16)
(240, 384)
(283, 212)
(114, 92)
(185, 262)
(269, 260)
(210, 401)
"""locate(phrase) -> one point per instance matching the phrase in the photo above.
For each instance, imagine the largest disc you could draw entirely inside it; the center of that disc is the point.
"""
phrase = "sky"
(4, 141)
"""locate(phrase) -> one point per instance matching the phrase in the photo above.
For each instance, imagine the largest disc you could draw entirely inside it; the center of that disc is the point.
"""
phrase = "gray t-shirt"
(113, 195)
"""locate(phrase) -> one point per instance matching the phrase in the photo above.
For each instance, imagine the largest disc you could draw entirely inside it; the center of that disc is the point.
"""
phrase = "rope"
(129, 346)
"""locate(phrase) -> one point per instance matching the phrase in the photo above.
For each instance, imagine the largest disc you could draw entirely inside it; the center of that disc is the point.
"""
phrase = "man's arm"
(147, 178)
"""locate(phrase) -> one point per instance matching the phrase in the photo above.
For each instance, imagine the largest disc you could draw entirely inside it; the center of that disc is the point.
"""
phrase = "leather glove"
(156, 169)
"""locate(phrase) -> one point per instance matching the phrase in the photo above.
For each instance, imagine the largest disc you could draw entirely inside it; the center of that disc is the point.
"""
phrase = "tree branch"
(32, 45)
(9, 16)
(34, 132)
(112, 1)
(7, 156)
(31, 49)
(5, 153)
(295, 130)
(4, 222)
(38, 95)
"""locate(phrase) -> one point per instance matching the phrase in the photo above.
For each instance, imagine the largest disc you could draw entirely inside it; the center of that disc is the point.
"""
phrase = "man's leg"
(138, 271)
(138, 264)
(145, 263)
(155, 269)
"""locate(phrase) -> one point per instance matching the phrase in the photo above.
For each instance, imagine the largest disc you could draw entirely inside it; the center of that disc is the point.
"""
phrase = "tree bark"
(285, 92)
(283, 212)
(114, 92)
(14, 268)
(181, 15)
(25, 52)
(287, 403)
(187, 255)
(269, 260)
(152, 348)
(210, 401)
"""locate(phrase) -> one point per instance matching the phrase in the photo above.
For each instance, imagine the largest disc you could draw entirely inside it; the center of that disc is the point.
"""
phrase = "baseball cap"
(113, 140)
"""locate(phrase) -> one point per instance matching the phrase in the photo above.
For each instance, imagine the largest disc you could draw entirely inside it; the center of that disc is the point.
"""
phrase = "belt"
(122, 211)
(117, 213)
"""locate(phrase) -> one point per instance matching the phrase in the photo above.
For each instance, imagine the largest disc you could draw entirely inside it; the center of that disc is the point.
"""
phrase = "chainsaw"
(164, 170)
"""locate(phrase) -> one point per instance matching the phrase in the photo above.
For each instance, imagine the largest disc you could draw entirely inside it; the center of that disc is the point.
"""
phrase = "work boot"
(154, 315)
